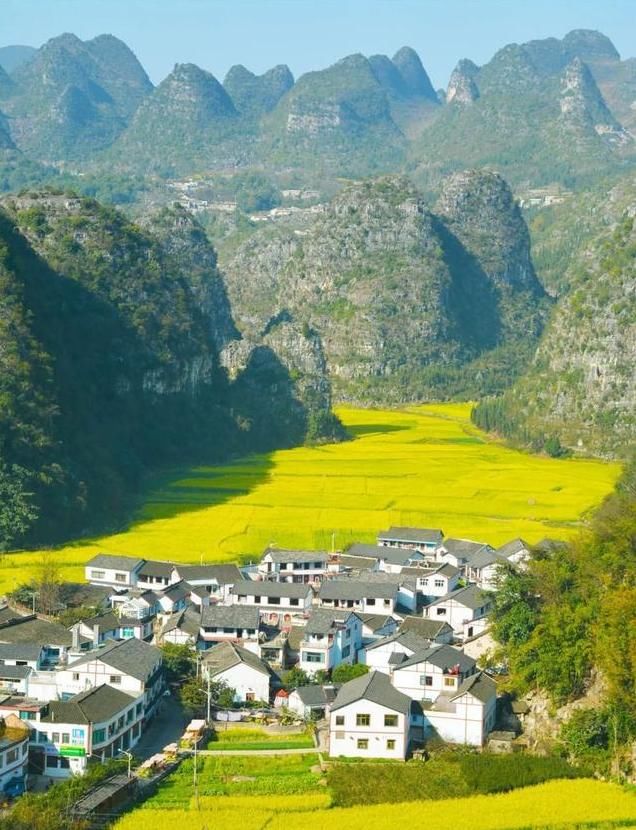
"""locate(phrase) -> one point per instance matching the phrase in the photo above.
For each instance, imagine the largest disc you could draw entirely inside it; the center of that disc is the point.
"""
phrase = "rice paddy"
(424, 466)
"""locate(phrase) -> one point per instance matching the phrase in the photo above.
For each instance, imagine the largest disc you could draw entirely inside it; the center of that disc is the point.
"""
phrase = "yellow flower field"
(554, 804)
(422, 466)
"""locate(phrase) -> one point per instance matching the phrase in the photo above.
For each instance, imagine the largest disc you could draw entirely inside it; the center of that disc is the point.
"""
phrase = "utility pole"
(208, 717)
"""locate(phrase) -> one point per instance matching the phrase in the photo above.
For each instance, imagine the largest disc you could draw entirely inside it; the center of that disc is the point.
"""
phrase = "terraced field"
(423, 466)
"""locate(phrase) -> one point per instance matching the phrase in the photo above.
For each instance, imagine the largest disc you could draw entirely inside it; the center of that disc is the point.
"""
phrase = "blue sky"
(309, 34)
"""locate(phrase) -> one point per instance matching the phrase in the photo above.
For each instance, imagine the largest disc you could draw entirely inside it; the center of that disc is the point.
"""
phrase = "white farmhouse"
(365, 597)
(331, 637)
(433, 671)
(423, 539)
(466, 716)
(464, 609)
(232, 623)
(370, 719)
(279, 603)
(386, 655)
(115, 571)
(299, 566)
(239, 669)
(516, 551)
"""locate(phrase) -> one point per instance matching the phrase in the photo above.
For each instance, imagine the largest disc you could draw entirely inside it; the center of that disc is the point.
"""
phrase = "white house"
(459, 552)
(370, 719)
(366, 597)
(231, 623)
(387, 655)
(241, 670)
(100, 721)
(433, 582)
(331, 637)
(377, 626)
(516, 551)
(426, 674)
(182, 628)
(389, 559)
(53, 639)
(423, 539)
(279, 603)
(464, 609)
(115, 571)
(484, 569)
(299, 566)
(132, 666)
(436, 631)
(154, 575)
(466, 716)
(14, 751)
(217, 580)
(311, 701)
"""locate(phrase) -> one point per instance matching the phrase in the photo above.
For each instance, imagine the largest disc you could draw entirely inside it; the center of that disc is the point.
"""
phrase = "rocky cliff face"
(583, 109)
(462, 88)
(394, 291)
(581, 386)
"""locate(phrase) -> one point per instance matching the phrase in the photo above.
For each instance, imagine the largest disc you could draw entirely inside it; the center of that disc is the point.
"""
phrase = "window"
(313, 657)
(12, 755)
(439, 583)
(120, 722)
(99, 736)
(370, 601)
(138, 708)
(362, 743)
(346, 651)
(257, 599)
(129, 716)
(347, 634)
(51, 761)
(55, 738)
(64, 763)
(387, 603)
(66, 738)
(120, 577)
(294, 601)
(449, 681)
(339, 720)
(441, 612)
(426, 680)
(115, 679)
(42, 737)
(127, 633)
(97, 574)
(27, 715)
(75, 675)
(390, 720)
(390, 744)
(363, 720)
(274, 600)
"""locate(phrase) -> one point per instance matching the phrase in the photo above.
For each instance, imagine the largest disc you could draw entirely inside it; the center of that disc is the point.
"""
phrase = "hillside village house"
(432, 671)
(484, 568)
(14, 750)
(386, 655)
(311, 701)
(460, 552)
(300, 566)
(239, 669)
(425, 540)
(279, 603)
(53, 639)
(464, 609)
(370, 719)
(183, 628)
(217, 580)
(466, 716)
(434, 630)
(365, 597)
(387, 559)
(331, 637)
(377, 626)
(100, 721)
(113, 571)
(516, 551)
(433, 582)
(231, 623)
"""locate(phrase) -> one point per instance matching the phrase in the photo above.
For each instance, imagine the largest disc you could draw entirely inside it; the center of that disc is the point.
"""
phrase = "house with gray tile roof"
(300, 566)
(312, 701)
(385, 654)
(465, 610)
(217, 580)
(240, 669)
(280, 603)
(113, 570)
(360, 596)
(232, 623)
(332, 636)
(429, 629)
(516, 551)
(369, 718)
(423, 539)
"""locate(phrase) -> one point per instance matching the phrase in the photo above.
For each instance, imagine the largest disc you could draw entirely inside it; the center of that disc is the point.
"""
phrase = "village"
(411, 609)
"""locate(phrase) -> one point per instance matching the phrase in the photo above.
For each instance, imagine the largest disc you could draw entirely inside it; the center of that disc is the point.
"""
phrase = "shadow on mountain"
(473, 300)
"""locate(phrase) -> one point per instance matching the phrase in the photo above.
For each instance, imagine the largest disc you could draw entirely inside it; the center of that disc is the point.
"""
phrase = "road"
(167, 727)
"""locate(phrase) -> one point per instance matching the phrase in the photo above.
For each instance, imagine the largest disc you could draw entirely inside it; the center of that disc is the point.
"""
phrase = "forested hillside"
(112, 340)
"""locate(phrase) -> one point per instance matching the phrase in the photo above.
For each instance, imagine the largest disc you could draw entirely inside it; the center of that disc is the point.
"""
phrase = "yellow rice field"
(424, 466)
(555, 804)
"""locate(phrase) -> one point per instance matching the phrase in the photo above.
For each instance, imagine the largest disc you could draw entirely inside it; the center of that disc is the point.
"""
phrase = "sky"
(311, 34)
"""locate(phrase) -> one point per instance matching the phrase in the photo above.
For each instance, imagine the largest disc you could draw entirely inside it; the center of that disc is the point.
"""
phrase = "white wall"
(245, 680)
(343, 738)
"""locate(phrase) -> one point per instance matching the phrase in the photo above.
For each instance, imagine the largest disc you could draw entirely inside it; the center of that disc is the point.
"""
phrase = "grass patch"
(254, 739)
(423, 466)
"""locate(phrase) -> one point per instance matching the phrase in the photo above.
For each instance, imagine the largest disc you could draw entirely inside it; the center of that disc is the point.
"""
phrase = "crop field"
(424, 466)
(251, 739)
(556, 804)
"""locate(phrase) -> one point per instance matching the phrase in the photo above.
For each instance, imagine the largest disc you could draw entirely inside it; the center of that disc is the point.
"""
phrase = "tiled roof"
(132, 657)
(229, 616)
(281, 555)
(115, 563)
(412, 535)
(376, 687)
(93, 706)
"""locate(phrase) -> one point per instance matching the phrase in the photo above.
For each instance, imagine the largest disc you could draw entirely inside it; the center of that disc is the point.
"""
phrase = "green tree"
(345, 672)
(179, 662)
(294, 678)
